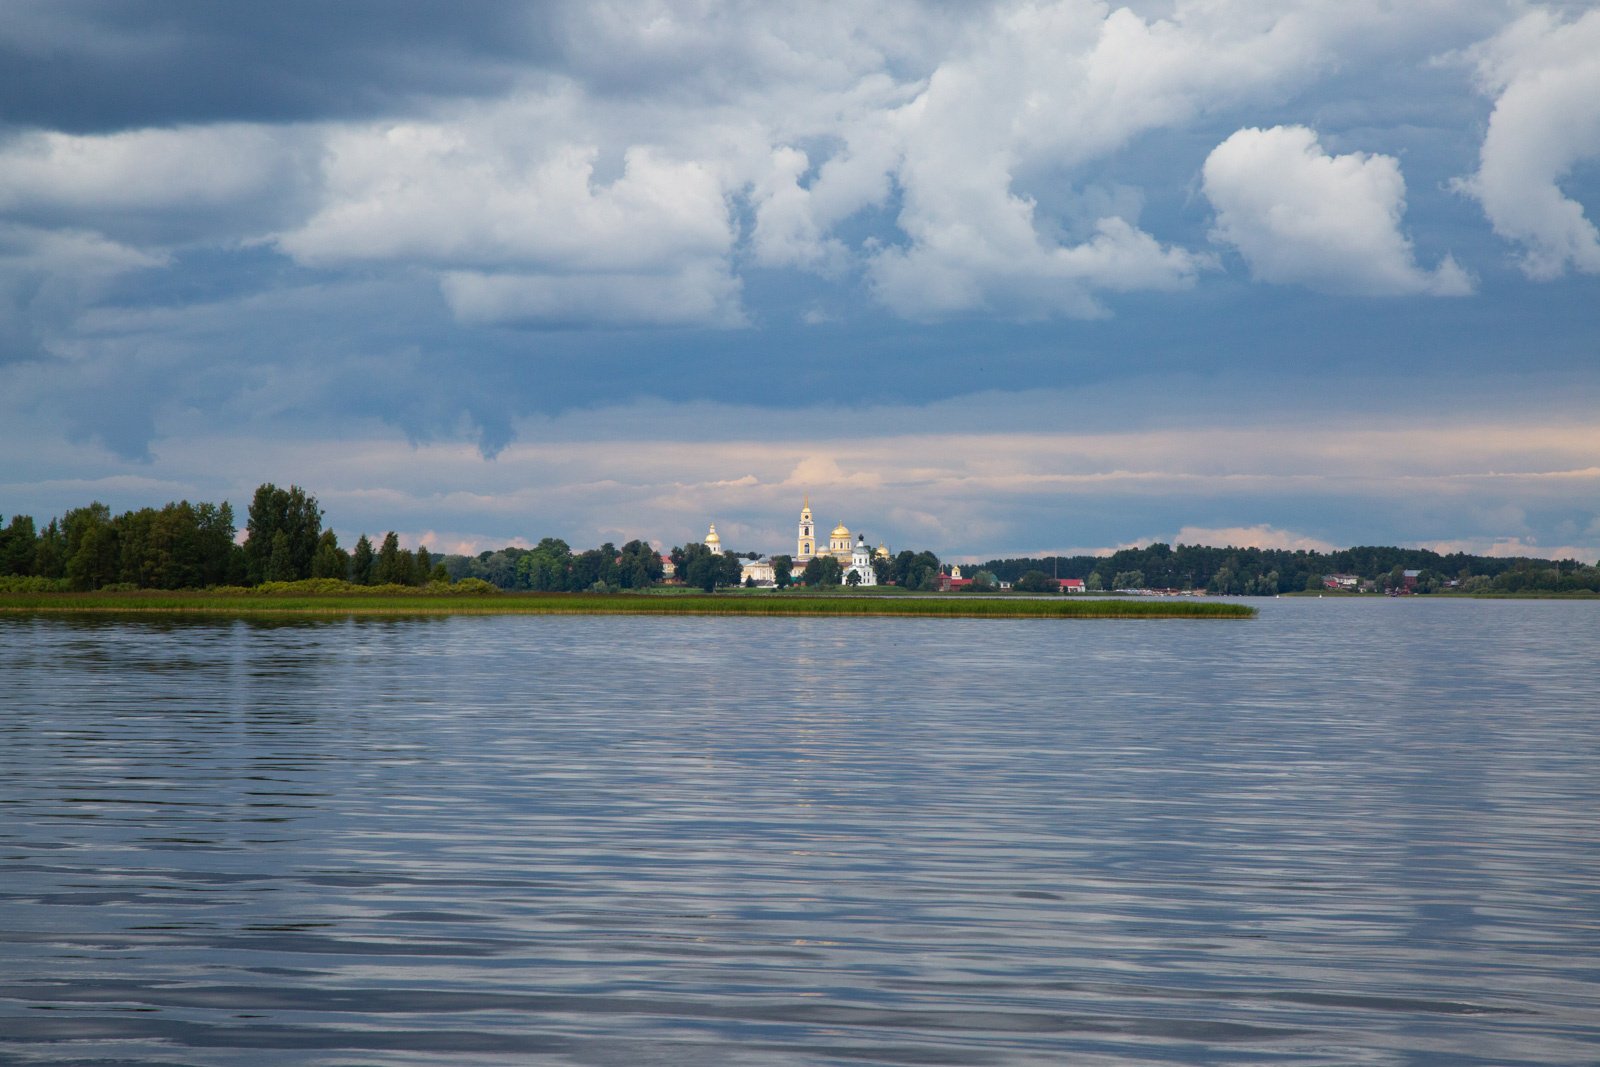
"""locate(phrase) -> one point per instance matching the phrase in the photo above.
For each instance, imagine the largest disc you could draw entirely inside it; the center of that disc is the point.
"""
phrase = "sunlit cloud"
(1251, 537)
(1301, 216)
(959, 493)
(1544, 74)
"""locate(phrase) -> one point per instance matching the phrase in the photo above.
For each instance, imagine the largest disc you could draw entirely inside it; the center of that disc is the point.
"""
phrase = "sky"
(990, 279)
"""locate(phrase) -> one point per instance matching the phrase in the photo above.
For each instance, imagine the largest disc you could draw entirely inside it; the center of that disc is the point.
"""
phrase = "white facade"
(759, 571)
(861, 563)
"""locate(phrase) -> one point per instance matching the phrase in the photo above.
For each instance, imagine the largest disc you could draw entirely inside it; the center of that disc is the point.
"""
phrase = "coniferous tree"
(387, 570)
(18, 545)
(361, 562)
(330, 561)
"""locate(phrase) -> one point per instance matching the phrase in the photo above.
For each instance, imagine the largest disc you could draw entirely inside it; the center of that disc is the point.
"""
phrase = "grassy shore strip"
(1544, 594)
(203, 603)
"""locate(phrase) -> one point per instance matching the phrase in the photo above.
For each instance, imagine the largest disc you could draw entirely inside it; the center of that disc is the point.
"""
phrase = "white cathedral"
(854, 558)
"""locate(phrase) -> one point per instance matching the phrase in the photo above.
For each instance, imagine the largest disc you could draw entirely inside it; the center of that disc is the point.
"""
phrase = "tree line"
(184, 546)
(194, 546)
(552, 566)
(1269, 571)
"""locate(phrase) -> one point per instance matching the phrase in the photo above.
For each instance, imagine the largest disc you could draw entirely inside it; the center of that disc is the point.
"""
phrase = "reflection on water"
(1348, 832)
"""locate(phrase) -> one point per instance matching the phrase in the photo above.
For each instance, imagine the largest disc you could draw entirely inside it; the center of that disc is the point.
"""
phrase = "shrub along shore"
(313, 598)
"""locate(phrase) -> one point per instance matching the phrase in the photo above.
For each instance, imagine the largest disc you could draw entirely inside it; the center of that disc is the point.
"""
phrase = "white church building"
(854, 557)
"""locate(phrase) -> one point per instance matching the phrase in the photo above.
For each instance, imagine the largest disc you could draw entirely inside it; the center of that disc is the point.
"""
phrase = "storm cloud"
(441, 227)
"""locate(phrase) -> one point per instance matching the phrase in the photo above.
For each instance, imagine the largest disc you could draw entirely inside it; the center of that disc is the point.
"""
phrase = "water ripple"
(1347, 833)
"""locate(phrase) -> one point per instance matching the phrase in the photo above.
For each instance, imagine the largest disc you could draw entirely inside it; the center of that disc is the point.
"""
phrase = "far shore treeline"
(1271, 571)
(195, 546)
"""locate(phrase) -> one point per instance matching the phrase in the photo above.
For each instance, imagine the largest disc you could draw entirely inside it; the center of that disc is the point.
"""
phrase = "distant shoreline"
(147, 602)
(1532, 594)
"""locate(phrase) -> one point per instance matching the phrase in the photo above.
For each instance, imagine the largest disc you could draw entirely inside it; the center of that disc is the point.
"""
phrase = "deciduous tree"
(545, 567)
(822, 571)
(289, 511)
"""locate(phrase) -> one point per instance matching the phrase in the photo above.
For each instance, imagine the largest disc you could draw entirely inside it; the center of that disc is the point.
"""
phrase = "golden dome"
(883, 551)
(712, 538)
(841, 530)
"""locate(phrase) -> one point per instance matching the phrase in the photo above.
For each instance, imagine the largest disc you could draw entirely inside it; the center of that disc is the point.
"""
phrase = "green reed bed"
(240, 602)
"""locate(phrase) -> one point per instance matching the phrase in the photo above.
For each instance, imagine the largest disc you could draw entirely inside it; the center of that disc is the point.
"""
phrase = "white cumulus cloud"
(1041, 88)
(522, 232)
(1545, 77)
(1029, 93)
(943, 159)
(1300, 216)
(438, 195)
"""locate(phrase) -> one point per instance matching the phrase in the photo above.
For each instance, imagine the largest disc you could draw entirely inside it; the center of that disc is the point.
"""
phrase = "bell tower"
(806, 544)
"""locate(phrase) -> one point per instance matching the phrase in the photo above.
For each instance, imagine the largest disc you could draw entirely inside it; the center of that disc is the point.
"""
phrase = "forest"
(195, 546)
(1268, 572)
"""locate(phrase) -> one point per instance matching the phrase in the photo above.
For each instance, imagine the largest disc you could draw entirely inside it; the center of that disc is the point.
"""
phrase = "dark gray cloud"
(114, 64)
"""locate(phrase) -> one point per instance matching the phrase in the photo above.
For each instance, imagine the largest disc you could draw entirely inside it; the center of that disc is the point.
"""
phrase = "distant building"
(757, 572)
(852, 552)
(854, 557)
(861, 563)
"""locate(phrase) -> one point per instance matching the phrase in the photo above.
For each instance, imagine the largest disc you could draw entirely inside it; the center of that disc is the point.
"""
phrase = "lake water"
(1348, 832)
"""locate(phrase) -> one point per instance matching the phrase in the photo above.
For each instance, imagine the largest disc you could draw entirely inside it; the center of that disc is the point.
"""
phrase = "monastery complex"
(854, 556)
